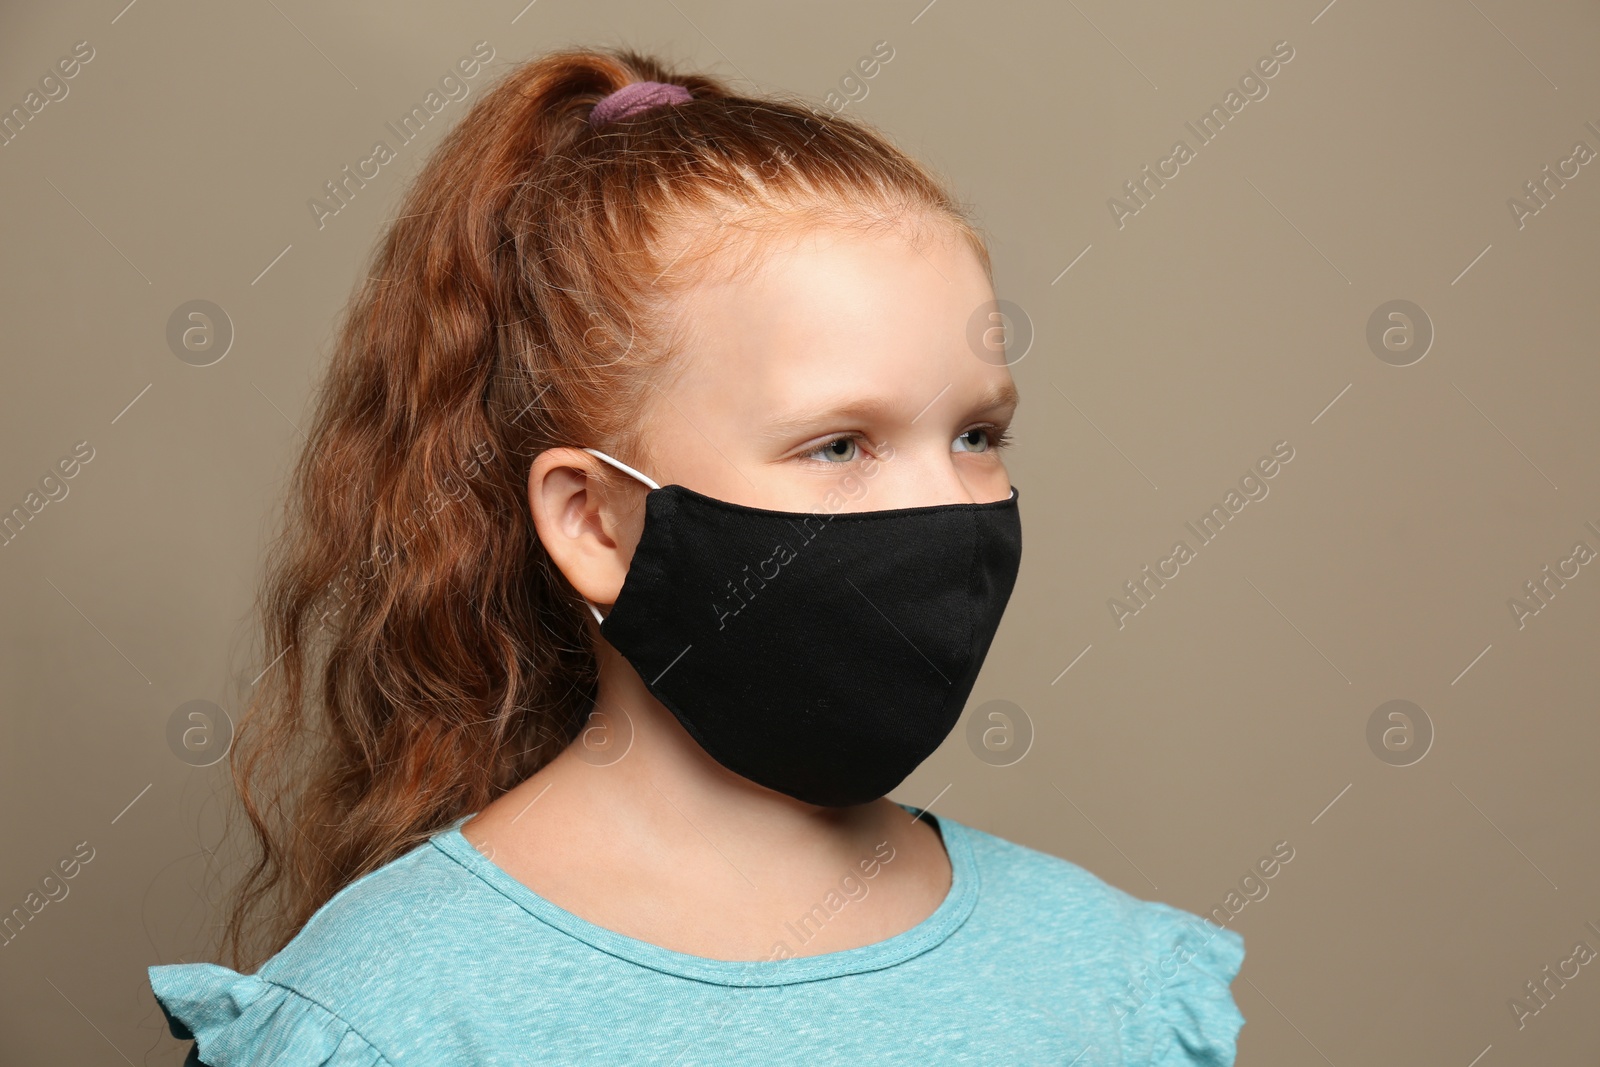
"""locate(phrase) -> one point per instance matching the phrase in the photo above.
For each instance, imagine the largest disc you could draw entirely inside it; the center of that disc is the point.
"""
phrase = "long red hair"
(427, 656)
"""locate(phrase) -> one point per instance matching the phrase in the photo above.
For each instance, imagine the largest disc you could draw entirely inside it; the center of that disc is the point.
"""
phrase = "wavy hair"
(426, 654)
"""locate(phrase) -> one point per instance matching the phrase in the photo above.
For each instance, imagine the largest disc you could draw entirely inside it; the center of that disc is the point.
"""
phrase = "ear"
(588, 525)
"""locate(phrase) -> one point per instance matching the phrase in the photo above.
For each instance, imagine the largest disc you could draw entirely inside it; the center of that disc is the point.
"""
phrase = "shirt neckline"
(957, 905)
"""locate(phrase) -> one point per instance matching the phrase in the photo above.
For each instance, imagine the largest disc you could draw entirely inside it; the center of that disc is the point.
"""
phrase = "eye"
(989, 438)
(841, 449)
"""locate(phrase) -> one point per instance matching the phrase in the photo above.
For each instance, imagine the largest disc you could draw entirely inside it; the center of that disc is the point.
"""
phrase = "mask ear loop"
(627, 470)
(621, 466)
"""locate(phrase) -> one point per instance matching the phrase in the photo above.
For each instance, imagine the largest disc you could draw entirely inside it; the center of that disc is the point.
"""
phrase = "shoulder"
(1050, 889)
(379, 932)
(238, 1019)
(322, 998)
(1161, 973)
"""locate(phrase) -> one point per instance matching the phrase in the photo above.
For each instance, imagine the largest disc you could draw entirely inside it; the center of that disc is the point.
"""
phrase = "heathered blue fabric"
(442, 958)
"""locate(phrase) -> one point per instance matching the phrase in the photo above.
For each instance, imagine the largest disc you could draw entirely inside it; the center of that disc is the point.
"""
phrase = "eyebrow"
(1001, 395)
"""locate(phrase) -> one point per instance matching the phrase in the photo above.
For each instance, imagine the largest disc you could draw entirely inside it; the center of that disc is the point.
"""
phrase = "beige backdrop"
(1241, 303)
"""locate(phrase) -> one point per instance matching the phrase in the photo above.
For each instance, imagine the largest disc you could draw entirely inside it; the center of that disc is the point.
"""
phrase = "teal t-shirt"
(440, 957)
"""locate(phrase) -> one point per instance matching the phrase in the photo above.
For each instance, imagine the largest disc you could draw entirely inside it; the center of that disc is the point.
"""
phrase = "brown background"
(1226, 316)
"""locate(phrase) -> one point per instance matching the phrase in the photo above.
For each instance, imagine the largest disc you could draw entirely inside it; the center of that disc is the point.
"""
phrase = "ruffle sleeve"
(1193, 1020)
(242, 1020)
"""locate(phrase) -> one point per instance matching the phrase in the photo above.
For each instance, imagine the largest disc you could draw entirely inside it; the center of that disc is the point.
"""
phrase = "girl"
(654, 526)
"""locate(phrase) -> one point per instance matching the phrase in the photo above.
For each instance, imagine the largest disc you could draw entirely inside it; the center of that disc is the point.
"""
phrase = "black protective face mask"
(821, 655)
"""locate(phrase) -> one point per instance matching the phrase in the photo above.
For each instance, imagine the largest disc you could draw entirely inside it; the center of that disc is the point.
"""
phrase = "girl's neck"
(665, 845)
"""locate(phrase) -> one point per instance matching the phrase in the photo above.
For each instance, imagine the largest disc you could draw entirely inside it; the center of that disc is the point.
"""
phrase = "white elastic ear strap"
(626, 470)
(621, 467)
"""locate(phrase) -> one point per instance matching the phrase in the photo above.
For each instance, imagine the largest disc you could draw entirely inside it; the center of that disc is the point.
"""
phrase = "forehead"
(826, 310)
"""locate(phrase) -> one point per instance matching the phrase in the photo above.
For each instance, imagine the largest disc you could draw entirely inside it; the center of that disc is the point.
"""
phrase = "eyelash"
(999, 438)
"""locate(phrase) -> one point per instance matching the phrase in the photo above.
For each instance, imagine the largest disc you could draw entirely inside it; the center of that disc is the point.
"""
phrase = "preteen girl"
(653, 527)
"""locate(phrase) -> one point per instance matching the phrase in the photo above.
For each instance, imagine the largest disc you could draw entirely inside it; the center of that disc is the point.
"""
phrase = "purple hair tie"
(635, 97)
